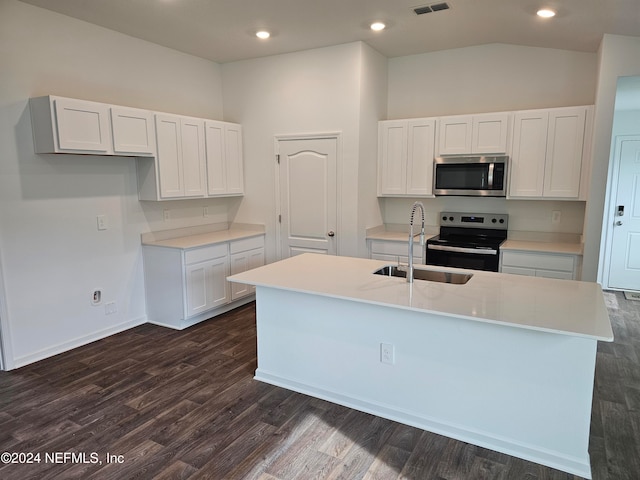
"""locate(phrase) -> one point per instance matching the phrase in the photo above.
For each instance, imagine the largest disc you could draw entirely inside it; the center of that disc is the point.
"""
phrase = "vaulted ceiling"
(224, 30)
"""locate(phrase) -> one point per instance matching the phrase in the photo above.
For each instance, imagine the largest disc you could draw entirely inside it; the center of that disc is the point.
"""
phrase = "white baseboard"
(76, 342)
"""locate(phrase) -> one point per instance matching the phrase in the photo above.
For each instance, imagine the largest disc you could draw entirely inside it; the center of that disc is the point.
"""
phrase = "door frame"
(608, 217)
(337, 136)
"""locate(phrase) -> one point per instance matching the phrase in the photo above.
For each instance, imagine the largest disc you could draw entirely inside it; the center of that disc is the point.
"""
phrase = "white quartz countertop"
(560, 306)
(203, 239)
(547, 247)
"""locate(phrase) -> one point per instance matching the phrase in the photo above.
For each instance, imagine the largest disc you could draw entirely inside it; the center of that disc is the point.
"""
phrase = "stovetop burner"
(471, 230)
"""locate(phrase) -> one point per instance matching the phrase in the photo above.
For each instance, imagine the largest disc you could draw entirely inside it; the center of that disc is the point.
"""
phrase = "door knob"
(331, 233)
(618, 223)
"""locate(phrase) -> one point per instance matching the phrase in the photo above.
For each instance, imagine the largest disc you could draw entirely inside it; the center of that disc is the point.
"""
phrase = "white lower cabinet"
(186, 286)
(541, 264)
(245, 254)
(394, 252)
(205, 279)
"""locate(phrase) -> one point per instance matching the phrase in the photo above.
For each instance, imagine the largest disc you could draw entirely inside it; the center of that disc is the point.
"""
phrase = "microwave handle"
(490, 176)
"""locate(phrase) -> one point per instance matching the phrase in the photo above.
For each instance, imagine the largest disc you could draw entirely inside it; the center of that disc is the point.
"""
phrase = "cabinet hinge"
(278, 158)
(279, 218)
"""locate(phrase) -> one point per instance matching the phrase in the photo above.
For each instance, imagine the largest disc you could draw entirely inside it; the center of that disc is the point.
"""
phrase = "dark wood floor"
(184, 405)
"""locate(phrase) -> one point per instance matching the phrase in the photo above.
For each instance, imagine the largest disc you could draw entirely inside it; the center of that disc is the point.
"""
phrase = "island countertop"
(564, 307)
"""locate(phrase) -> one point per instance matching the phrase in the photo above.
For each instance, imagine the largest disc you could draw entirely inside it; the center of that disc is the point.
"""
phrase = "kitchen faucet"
(415, 206)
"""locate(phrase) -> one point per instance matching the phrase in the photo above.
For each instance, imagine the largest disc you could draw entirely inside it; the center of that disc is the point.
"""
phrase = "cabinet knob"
(618, 223)
(331, 233)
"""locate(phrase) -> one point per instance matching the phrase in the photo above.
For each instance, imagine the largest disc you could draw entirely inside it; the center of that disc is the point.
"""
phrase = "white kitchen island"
(504, 361)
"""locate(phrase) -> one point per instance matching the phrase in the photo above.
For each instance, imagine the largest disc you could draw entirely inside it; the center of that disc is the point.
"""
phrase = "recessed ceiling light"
(263, 34)
(377, 26)
(546, 13)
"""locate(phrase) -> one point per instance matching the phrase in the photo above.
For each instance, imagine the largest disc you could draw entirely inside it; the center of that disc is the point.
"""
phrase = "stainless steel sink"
(429, 275)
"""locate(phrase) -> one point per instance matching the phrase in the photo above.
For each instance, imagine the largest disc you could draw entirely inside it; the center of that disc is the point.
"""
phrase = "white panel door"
(308, 196)
(624, 270)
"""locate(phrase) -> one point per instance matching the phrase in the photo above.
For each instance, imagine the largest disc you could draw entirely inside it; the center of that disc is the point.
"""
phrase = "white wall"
(51, 253)
(489, 78)
(314, 91)
(619, 56)
(373, 108)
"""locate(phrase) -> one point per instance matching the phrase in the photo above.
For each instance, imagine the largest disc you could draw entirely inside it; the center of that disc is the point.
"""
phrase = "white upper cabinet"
(549, 155)
(562, 170)
(65, 125)
(405, 157)
(180, 161)
(225, 175)
(474, 134)
(133, 131)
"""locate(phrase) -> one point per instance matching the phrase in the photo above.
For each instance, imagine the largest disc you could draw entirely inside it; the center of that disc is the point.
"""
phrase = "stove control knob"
(493, 220)
(451, 218)
(502, 220)
(444, 219)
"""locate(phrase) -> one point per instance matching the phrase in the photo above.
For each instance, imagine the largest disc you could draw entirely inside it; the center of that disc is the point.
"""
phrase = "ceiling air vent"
(436, 7)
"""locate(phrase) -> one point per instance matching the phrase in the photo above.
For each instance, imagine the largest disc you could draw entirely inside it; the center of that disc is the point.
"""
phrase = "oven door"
(460, 257)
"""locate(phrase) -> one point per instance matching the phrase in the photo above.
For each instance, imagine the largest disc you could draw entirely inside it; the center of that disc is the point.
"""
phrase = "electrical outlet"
(166, 214)
(387, 353)
(110, 308)
(555, 217)
(103, 222)
(96, 297)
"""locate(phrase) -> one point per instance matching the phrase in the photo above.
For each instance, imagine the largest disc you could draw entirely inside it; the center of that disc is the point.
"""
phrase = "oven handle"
(476, 251)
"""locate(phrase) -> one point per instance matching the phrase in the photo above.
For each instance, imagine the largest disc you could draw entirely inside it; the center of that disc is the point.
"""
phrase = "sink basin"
(429, 275)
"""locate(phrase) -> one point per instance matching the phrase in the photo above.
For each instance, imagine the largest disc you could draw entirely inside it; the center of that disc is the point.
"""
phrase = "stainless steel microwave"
(470, 176)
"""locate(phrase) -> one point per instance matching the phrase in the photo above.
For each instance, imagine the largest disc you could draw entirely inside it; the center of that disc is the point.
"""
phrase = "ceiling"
(224, 30)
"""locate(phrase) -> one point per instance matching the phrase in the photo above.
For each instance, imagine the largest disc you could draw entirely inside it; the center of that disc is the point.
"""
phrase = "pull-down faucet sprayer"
(416, 205)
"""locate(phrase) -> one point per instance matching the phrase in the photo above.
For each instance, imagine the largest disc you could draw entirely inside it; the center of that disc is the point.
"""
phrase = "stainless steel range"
(468, 240)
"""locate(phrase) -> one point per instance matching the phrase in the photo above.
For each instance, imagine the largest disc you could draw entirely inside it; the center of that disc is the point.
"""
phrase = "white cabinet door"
(564, 152)
(193, 157)
(82, 126)
(216, 169)
(490, 133)
(169, 162)
(181, 156)
(420, 153)
(455, 135)
(234, 159)
(405, 157)
(392, 157)
(206, 285)
(528, 154)
(241, 262)
(133, 131)
(225, 173)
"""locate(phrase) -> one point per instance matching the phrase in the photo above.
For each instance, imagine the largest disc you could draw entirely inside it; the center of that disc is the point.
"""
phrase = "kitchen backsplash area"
(528, 219)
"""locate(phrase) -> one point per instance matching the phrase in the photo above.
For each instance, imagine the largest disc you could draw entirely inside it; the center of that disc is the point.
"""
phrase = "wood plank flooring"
(183, 405)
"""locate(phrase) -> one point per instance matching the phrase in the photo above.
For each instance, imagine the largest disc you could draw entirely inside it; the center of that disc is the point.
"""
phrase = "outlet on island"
(387, 353)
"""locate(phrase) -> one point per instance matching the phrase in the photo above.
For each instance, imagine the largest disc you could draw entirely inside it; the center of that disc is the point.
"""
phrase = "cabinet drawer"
(563, 263)
(205, 253)
(246, 244)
